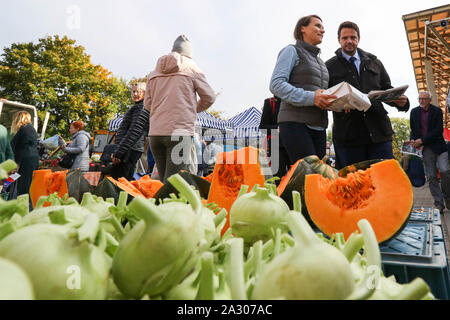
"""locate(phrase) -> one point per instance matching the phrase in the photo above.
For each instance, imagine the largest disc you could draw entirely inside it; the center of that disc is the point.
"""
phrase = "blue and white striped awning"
(204, 120)
(114, 124)
(246, 123)
(207, 120)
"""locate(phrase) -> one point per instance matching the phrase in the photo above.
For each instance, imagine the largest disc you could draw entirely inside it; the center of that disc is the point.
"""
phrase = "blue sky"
(235, 43)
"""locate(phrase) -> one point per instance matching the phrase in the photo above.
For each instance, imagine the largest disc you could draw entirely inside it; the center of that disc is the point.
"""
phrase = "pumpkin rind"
(385, 201)
(200, 184)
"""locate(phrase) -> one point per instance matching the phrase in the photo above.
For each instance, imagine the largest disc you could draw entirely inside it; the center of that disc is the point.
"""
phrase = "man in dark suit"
(427, 133)
(358, 135)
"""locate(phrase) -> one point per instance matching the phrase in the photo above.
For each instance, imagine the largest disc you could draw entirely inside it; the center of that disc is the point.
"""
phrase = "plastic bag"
(52, 142)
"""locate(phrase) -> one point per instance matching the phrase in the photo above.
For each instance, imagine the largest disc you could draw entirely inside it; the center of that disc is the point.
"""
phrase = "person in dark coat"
(357, 135)
(269, 122)
(130, 137)
(427, 133)
(25, 147)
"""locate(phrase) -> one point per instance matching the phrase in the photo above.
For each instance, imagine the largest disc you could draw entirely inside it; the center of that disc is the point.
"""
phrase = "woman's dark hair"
(303, 22)
(77, 125)
(350, 25)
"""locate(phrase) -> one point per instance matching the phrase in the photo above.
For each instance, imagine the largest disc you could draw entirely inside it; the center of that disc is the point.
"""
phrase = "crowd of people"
(165, 109)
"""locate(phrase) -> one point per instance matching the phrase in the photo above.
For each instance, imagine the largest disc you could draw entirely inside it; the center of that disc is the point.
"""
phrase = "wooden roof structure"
(428, 34)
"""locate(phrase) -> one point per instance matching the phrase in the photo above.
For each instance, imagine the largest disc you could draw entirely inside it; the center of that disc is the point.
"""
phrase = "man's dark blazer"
(434, 137)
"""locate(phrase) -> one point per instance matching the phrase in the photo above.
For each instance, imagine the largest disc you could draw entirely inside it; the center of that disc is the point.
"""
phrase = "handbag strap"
(112, 137)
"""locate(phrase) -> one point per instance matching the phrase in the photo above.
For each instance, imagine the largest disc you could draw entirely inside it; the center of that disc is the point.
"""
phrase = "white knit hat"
(140, 86)
(183, 46)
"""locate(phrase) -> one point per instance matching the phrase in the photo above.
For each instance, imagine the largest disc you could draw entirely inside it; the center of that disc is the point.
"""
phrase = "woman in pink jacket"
(171, 99)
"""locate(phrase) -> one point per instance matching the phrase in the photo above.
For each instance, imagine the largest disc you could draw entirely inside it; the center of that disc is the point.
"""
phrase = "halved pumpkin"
(363, 165)
(46, 182)
(294, 180)
(233, 169)
(382, 194)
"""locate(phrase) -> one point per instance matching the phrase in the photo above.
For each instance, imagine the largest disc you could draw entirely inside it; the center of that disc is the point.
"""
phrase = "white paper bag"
(348, 97)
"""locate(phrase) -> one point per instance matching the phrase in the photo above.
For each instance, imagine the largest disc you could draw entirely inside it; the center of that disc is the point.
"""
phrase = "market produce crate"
(413, 244)
(425, 214)
(438, 233)
(435, 272)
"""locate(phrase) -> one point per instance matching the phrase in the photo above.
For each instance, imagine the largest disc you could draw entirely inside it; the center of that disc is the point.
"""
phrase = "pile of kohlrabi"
(98, 249)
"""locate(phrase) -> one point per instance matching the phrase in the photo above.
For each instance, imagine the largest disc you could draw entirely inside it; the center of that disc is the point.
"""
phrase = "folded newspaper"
(348, 97)
(387, 95)
(407, 148)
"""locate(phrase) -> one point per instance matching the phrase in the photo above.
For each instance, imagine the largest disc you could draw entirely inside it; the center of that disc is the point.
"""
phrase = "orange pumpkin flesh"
(147, 186)
(382, 194)
(285, 180)
(126, 186)
(233, 169)
(46, 182)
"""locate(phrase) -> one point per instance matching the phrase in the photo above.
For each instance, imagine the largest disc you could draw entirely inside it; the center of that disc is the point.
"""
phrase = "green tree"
(216, 113)
(57, 76)
(135, 80)
(401, 133)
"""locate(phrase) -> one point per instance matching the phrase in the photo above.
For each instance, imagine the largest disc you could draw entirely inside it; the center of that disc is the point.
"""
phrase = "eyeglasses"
(423, 99)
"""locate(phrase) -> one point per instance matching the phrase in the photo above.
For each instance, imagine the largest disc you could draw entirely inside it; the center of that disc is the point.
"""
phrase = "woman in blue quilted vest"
(299, 79)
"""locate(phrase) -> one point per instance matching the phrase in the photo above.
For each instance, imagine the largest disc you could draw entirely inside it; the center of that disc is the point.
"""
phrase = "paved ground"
(422, 197)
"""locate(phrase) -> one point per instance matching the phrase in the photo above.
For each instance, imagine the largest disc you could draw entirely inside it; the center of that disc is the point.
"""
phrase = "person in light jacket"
(79, 146)
(171, 99)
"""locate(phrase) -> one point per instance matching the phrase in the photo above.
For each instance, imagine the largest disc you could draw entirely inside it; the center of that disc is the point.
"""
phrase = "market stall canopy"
(428, 34)
(214, 126)
(246, 123)
(114, 124)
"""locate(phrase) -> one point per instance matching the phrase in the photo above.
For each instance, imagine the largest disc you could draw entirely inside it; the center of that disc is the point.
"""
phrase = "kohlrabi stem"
(415, 290)
(58, 217)
(186, 191)
(258, 256)
(100, 241)
(117, 226)
(255, 187)
(288, 239)
(87, 200)
(340, 240)
(220, 217)
(297, 201)
(365, 288)
(236, 269)
(89, 229)
(277, 249)
(145, 210)
(268, 249)
(122, 201)
(351, 248)
(206, 286)
(243, 190)
(40, 202)
(302, 232)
